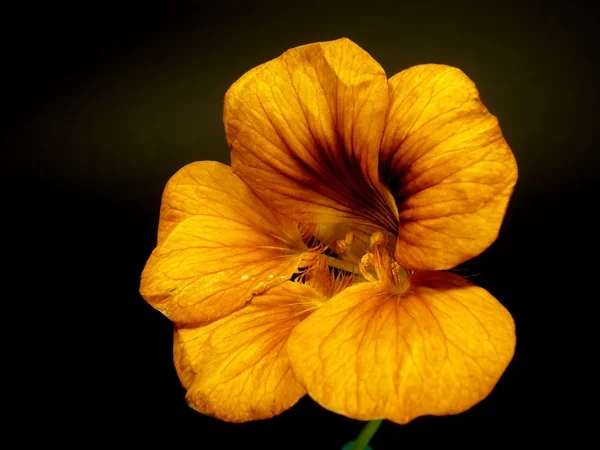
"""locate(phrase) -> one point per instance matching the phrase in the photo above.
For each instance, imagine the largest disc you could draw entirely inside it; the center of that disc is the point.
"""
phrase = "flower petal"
(237, 369)
(218, 246)
(305, 129)
(445, 159)
(438, 349)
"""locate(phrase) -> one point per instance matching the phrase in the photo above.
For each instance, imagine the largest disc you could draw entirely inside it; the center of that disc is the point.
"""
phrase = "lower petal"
(437, 349)
(237, 369)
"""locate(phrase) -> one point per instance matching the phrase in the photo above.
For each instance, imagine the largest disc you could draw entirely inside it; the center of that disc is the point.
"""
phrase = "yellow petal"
(446, 161)
(305, 130)
(237, 369)
(438, 349)
(219, 246)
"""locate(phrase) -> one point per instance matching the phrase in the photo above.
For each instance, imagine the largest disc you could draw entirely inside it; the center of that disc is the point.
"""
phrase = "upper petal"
(305, 129)
(218, 246)
(370, 354)
(448, 165)
(236, 368)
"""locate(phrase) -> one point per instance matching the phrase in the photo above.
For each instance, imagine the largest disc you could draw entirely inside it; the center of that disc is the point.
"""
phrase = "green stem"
(366, 434)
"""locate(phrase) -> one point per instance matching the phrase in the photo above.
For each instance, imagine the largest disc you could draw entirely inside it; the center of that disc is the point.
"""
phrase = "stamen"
(365, 264)
(386, 269)
(341, 248)
(349, 238)
(346, 266)
(345, 245)
(377, 239)
(346, 249)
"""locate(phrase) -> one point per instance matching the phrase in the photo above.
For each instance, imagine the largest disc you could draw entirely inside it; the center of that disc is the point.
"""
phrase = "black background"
(103, 103)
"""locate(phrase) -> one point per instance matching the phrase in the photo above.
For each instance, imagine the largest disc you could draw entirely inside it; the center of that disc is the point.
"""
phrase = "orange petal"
(446, 161)
(237, 369)
(305, 129)
(219, 245)
(438, 349)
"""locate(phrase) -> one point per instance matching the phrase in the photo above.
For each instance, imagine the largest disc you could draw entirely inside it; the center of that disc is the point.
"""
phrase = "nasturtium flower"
(316, 263)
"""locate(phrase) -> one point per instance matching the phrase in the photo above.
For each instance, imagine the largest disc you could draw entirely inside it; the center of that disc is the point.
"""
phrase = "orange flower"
(398, 178)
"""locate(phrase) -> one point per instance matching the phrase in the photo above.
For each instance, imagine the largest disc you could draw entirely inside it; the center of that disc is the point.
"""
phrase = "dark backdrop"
(105, 103)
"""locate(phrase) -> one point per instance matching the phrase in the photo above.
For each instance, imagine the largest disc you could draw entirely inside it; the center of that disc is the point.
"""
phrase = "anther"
(379, 265)
(341, 247)
(349, 238)
(376, 239)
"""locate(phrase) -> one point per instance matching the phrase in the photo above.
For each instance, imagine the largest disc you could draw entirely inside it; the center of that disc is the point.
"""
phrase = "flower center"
(344, 262)
(377, 265)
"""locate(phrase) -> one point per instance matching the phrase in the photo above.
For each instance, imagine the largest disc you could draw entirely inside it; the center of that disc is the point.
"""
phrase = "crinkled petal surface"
(237, 369)
(305, 129)
(218, 246)
(371, 354)
(445, 159)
